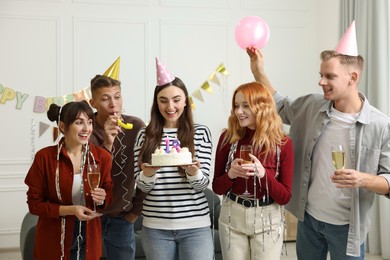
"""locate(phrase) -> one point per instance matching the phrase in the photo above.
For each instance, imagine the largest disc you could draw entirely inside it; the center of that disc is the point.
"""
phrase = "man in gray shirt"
(333, 206)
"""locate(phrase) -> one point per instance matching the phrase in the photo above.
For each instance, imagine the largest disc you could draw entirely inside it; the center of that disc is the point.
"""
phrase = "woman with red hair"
(252, 226)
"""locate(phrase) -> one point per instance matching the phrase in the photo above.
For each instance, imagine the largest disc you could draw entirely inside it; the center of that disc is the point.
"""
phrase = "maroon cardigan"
(279, 188)
(42, 201)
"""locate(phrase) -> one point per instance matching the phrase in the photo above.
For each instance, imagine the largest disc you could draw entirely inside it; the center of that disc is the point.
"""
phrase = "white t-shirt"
(326, 202)
(76, 189)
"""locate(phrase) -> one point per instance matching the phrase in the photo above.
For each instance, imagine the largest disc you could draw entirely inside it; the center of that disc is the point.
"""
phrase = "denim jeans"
(184, 244)
(315, 238)
(78, 243)
(118, 238)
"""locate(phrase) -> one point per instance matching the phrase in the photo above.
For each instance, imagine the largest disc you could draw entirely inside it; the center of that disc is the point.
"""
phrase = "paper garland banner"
(32, 132)
(213, 78)
(42, 104)
(206, 86)
(221, 69)
(198, 95)
(42, 128)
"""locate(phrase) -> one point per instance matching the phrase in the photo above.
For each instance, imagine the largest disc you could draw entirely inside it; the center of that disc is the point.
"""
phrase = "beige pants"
(246, 243)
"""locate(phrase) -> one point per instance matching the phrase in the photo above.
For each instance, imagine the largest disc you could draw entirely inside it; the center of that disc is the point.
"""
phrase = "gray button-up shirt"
(369, 148)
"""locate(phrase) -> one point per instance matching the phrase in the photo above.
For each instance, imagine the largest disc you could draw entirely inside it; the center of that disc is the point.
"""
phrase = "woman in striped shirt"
(176, 221)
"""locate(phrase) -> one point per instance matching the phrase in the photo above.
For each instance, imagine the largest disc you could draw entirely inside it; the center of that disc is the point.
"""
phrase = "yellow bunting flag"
(213, 78)
(198, 94)
(191, 103)
(206, 87)
(113, 70)
(222, 69)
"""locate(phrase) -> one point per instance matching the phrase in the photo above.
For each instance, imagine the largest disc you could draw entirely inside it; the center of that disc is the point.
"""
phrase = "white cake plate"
(173, 165)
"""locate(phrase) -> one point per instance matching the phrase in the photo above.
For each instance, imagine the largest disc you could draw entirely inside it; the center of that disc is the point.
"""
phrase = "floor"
(15, 255)
(292, 256)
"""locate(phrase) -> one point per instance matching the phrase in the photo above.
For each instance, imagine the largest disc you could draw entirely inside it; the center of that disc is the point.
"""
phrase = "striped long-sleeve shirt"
(173, 201)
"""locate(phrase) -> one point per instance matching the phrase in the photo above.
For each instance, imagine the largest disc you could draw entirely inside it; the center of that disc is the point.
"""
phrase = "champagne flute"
(93, 175)
(338, 159)
(245, 150)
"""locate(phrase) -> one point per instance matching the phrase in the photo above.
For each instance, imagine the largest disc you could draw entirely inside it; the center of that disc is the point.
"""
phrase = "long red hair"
(269, 131)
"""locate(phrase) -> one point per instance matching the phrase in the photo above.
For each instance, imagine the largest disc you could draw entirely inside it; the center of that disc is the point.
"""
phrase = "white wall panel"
(206, 4)
(29, 52)
(54, 47)
(290, 5)
(115, 2)
(99, 42)
(199, 47)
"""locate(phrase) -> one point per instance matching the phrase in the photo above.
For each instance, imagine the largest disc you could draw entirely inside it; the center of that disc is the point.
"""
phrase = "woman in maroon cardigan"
(58, 189)
(252, 226)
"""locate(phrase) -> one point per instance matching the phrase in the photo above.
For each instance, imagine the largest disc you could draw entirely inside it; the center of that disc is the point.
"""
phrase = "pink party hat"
(348, 44)
(163, 75)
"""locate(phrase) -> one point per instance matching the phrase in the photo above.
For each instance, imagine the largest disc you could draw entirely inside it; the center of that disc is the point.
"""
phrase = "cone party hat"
(348, 44)
(163, 75)
(113, 70)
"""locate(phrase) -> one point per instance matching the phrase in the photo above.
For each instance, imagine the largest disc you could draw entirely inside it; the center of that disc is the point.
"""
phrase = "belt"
(247, 202)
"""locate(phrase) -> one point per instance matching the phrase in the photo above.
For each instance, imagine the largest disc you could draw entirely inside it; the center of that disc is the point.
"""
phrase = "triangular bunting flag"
(191, 103)
(222, 69)
(42, 128)
(213, 78)
(198, 95)
(206, 87)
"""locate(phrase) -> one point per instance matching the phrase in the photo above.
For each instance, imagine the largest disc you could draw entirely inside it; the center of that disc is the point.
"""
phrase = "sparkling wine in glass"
(338, 159)
(93, 175)
(245, 150)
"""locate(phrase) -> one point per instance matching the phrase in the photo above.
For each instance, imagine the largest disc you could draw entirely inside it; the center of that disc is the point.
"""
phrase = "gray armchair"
(27, 236)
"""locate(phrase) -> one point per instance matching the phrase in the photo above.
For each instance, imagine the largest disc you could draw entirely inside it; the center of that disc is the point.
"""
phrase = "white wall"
(53, 48)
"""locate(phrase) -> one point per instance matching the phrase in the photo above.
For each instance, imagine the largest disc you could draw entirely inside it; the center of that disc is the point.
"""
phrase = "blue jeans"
(118, 238)
(78, 240)
(315, 238)
(188, 244)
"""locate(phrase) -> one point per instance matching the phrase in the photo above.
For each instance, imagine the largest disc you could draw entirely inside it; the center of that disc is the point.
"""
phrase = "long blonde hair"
(269, 132)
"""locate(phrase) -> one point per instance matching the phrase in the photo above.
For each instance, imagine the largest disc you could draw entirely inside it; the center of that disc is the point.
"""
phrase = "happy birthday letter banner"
(42, 104)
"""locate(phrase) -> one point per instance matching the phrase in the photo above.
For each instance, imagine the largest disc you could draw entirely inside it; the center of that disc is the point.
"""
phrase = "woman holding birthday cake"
(176, 221)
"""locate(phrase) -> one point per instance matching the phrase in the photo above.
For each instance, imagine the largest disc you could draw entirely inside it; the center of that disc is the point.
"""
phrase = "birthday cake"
(174, 157)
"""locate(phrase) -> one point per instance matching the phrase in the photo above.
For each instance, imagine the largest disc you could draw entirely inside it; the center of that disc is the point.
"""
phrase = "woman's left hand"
(98, 196)
(254, 168)
(192, 169)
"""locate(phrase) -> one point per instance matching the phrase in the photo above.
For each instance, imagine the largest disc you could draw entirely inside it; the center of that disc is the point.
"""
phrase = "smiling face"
(79, 131)
(107, 101)
(335, 80)
(246, 118)
(171, 102)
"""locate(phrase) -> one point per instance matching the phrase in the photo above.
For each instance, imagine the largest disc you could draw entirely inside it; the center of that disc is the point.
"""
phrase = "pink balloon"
(252, 31)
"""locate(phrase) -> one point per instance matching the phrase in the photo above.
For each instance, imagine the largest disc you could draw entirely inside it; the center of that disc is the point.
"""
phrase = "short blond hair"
(354, 61)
